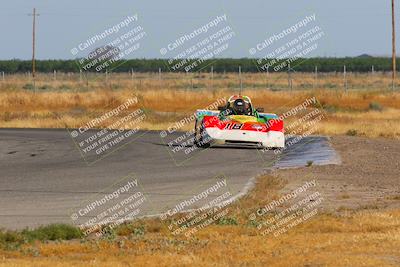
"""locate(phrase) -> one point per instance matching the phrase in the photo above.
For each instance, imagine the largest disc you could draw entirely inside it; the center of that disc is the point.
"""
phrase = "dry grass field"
(367, 108)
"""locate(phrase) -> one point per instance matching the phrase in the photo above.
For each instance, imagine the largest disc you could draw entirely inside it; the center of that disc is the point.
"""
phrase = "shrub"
(375, 106)
(11, 240)
(7, 116)
(351, 132)
(64, 87)
(129, 229)
(227, 221)
(52, 232)
(28, 86)
(331, 108)
(46, 87)
(14, 239)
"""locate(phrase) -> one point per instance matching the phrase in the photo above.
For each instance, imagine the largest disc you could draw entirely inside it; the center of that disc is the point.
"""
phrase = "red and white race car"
(238, 123)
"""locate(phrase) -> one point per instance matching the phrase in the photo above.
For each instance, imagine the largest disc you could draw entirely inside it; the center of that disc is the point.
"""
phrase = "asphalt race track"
(44, 178)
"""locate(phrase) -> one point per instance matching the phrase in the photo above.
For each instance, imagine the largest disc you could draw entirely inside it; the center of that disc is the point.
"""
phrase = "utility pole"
(240, 78)
(34, 15)
(393, 48)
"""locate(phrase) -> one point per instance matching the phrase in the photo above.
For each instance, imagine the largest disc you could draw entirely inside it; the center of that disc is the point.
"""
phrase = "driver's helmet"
(241, 105)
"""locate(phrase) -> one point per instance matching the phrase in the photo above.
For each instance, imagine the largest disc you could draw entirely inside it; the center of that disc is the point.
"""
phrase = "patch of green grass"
(46, 87)
(109, 234)
(28, 86)
(14, 239)
(53, 232)
(11, 240)
(334, 108)
(351, 132)
(7, 116)
(275, 89)
(393, 197)
(64, 87)
(227, 221)
(375, 106)
(130, 229)
(253, 223)
(115, 86)
(331, 108)
(331, 85)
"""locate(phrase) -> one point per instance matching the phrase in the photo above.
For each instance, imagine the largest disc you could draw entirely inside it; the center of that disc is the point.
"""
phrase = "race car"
(238, 123)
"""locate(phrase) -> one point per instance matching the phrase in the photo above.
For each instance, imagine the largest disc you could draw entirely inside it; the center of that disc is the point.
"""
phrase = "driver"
(238, 107)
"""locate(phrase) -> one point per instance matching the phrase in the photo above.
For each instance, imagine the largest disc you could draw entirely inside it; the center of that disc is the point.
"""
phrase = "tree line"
(354, 64)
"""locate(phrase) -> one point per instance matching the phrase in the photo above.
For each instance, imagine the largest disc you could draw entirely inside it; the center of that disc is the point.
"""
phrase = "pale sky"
(351, 27)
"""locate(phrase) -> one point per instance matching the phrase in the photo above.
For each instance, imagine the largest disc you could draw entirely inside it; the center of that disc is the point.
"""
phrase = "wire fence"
(278, 81)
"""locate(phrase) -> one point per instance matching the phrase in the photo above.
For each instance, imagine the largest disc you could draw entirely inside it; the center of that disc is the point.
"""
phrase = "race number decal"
(233, 126)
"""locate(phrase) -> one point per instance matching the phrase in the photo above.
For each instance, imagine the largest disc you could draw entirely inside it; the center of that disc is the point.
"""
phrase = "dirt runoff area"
(368, 178)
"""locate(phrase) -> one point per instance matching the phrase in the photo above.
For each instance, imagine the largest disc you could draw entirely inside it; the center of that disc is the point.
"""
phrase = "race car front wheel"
(200, 139)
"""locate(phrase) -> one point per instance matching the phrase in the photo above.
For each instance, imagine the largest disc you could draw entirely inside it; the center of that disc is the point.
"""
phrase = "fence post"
(240, 79)
(212, 77)
(290, 84)
(344, 78)
(2, 75)
(159, 78)
(55, 75)
(132, 76)
(316, 77)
